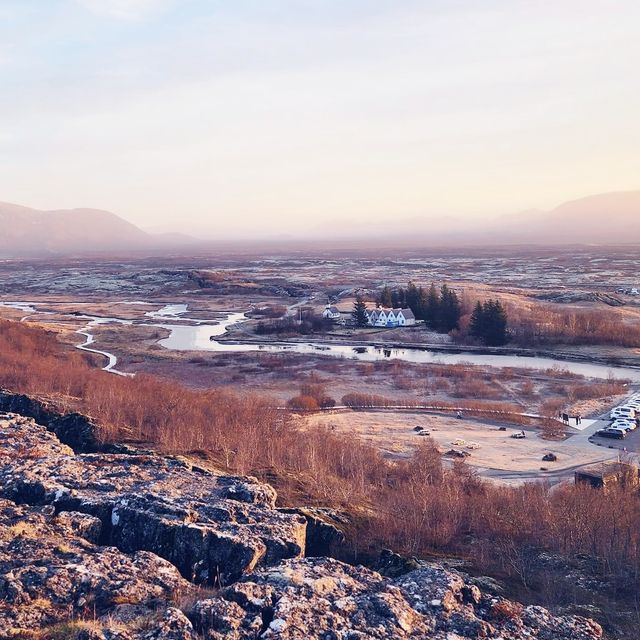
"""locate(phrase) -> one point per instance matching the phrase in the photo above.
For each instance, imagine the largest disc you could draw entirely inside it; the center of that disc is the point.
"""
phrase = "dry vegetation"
(544, 325)
(415, 506)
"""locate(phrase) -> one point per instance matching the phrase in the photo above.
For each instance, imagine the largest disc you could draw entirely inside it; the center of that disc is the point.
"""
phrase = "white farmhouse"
(405, 317)
(377, 317)
(381, 317)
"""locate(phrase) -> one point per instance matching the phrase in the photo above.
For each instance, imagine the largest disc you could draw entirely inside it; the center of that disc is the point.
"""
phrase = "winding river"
(198, 338)
(200, 334)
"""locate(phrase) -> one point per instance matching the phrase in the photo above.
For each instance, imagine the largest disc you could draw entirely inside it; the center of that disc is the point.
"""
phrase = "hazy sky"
(269, 115)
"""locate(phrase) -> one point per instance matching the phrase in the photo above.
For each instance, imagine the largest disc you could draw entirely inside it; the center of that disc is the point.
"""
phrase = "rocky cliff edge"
(144, 547)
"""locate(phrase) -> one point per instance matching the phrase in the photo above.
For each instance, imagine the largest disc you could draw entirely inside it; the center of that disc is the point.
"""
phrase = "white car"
(622, 412)
(627, 425)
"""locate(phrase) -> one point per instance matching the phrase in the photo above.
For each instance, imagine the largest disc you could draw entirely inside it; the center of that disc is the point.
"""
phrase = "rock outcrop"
(50, 573)
(212, 527)
(73, 429)
(324, 598)
(324, 536)
(113, 547)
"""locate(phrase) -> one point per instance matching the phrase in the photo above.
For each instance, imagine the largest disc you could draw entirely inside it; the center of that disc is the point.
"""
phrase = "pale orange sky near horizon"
(247, 117)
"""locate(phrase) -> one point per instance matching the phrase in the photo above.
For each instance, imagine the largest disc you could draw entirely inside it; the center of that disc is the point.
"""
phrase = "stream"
(201, 334)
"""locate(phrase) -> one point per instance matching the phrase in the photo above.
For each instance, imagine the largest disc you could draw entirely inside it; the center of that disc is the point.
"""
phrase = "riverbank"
(632, 361)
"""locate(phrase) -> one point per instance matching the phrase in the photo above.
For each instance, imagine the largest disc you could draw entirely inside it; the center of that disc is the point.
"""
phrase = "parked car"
(627, 425)
(457, 453)
(621, 429)
(624, 407)
(611, 433)
(622, 412)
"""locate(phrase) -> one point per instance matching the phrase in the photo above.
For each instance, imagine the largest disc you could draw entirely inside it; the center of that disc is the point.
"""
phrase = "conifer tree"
(432, 307)
(386, 297)
(496, 332)
(411, 297)
(476, 325)
(489, 323)
(359, 312)
(449, 316)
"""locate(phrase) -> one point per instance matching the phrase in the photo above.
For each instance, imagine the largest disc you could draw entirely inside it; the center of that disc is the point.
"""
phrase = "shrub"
(303, 403)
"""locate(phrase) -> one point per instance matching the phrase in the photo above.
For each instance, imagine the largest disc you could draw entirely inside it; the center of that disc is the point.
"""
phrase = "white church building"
(331, 313)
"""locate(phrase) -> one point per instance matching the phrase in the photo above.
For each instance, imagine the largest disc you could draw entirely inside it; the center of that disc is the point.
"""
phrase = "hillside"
(601, 219)
(604, 219)
(30, 232)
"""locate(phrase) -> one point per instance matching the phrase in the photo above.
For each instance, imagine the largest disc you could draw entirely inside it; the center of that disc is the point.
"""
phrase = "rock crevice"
(212, 527)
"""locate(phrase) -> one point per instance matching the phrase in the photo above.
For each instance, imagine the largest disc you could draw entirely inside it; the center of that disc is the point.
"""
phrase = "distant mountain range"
(607, 218)
(30, 232)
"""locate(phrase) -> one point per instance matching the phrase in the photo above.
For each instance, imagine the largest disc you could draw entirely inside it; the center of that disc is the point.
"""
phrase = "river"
(200, 336)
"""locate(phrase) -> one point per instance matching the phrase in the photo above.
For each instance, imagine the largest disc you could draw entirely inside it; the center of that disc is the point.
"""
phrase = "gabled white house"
(381, 317)
(377, 317)
(405, 317)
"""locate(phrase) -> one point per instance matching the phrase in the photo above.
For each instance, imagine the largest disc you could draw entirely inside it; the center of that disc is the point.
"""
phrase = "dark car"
(457, 453)
(610, 433)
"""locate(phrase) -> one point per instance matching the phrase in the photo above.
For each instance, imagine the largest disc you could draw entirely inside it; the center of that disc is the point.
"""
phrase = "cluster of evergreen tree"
(489, 323)
(440, 309)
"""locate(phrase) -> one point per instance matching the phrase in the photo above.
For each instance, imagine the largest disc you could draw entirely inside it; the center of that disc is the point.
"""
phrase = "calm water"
(198, 338)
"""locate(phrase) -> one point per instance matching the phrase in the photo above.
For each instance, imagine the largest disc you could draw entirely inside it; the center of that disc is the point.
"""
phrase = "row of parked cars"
(624, 418)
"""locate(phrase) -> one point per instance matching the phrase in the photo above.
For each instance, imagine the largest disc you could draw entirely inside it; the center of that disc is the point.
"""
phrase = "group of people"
(566, 418)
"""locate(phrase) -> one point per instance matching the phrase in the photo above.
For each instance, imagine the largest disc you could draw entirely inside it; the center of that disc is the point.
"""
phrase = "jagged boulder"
(49, 575)
(212, 527)
(326, 599)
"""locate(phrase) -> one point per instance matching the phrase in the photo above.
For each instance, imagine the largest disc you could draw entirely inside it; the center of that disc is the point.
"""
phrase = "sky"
(262, 117)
